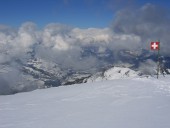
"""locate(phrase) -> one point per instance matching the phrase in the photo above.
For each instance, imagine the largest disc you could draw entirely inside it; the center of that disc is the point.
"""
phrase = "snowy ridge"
(120, 103)
(114, 73)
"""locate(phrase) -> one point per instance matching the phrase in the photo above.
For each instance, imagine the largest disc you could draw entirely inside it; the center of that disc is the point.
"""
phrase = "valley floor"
(121, 103)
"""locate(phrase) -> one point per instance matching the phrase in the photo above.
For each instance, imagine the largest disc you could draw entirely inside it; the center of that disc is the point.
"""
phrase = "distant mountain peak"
(114, 73)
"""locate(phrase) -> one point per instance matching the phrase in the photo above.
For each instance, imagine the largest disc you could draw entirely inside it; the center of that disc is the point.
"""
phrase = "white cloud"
(60, 44)
(92, 34)
(63, 44)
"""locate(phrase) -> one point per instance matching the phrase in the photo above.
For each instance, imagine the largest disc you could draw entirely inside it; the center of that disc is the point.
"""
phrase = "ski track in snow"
(121, 103)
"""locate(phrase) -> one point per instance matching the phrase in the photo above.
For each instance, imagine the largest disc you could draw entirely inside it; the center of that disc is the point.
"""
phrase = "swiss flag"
(155, 45)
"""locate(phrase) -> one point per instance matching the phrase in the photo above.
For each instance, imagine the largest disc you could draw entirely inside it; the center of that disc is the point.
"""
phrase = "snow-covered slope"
(120, 103)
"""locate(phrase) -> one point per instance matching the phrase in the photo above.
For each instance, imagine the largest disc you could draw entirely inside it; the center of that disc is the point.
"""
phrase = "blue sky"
(77, 13)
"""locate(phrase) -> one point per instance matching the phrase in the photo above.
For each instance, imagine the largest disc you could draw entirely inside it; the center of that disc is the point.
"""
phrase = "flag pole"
(158, 60)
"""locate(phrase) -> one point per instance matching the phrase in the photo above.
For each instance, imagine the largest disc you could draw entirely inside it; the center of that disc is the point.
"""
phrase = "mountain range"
(37, 73)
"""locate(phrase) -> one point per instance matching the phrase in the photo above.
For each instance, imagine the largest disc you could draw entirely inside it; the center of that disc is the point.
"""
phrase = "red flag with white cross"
(155, 45)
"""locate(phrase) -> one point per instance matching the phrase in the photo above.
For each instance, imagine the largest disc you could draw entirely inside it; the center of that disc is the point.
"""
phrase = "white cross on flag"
(155, 45)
